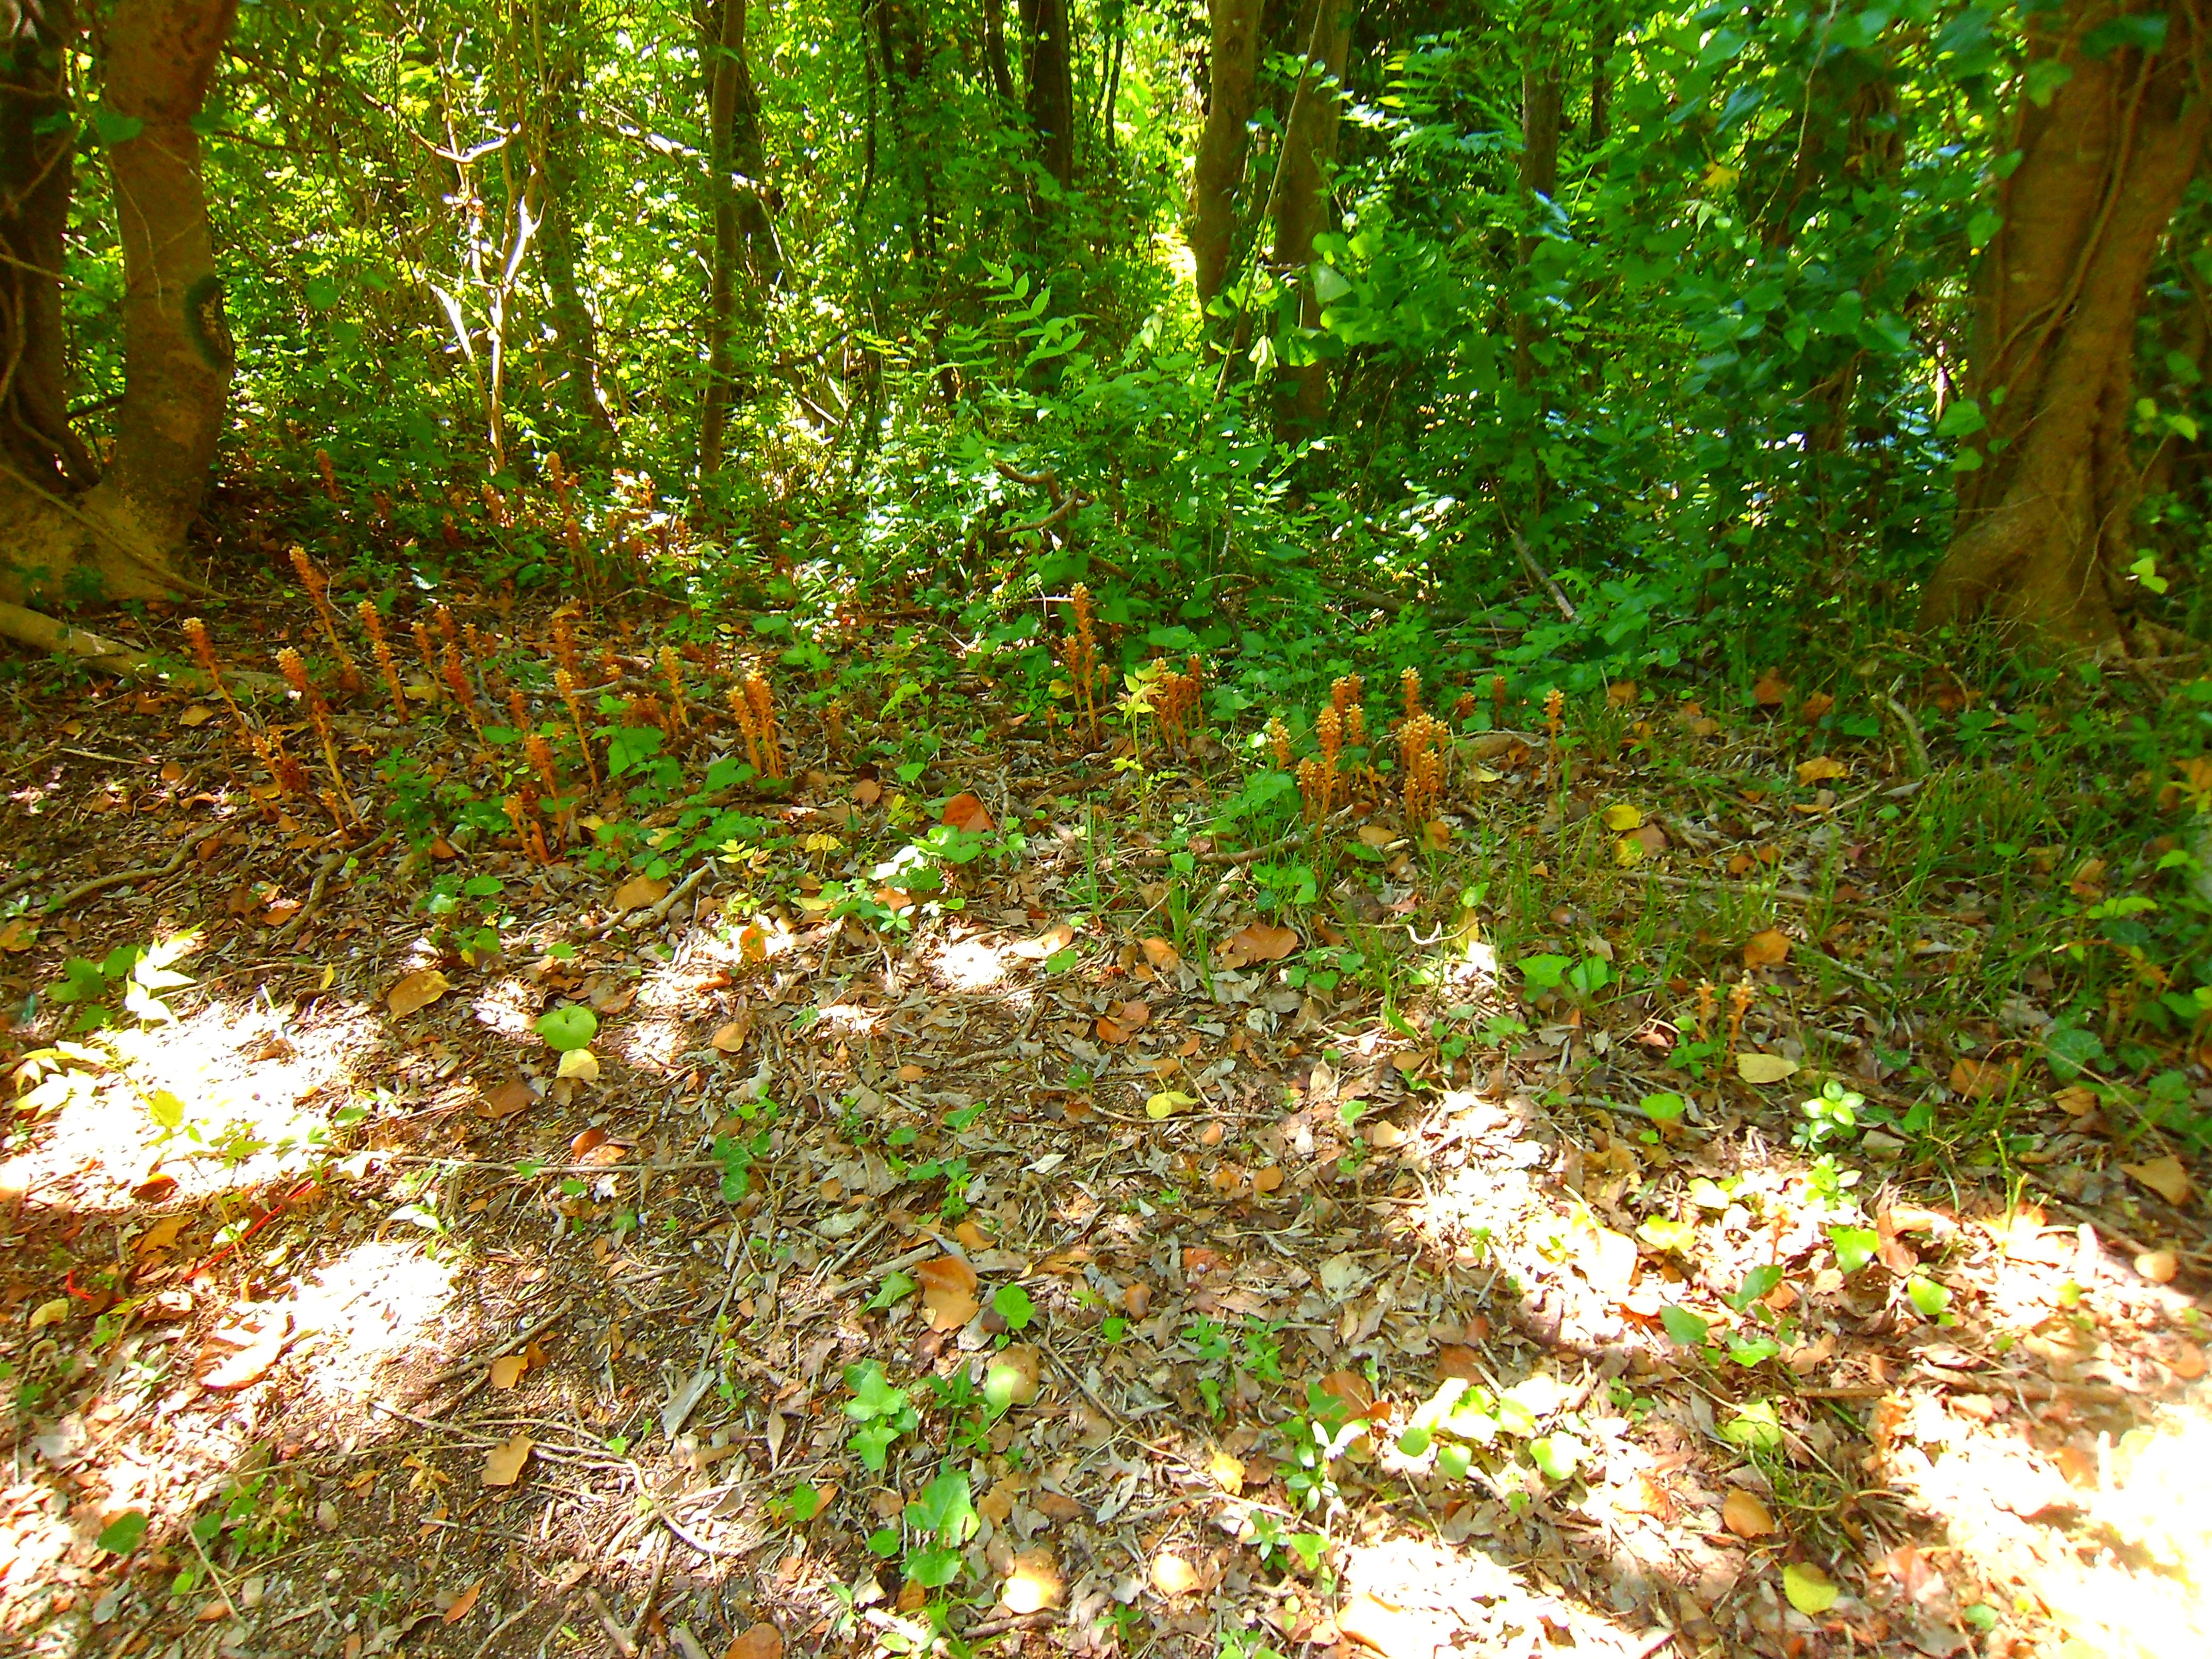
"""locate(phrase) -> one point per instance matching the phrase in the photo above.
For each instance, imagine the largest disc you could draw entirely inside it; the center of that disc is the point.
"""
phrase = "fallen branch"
(1529, 562)
(50, 634)
(185, 849)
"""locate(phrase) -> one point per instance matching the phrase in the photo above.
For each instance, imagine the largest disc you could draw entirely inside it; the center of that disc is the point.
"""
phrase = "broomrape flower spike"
(1410, 682)
(457, 680)
(203, 651)
(1081, 657)
(671, 665)
(1279, 743)
(565, 682)
(318, 591)
(429, 657)
(373, 625)
(294, 669)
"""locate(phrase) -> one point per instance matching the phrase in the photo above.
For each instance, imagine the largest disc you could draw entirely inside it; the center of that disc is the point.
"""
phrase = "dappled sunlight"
(376, 1303)
(973, 963)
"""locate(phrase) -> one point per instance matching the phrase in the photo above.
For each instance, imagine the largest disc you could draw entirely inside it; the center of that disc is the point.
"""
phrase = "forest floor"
(1108, 1265)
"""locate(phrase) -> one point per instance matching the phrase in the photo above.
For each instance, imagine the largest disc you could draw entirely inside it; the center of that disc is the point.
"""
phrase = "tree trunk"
(994, 49)
(1302, 208)
(1051, 101)
(744, 234)
(120, 536)
(1542, 100)
(2045, 523)
(1605, 34)
(559, 164)
(1232, 79)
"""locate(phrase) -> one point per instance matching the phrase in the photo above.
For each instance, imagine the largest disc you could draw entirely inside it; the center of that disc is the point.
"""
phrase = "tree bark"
(1218, 174)
(994, 49)
(744, 235)
(1050, 103)
(559, 164)
(1542, 100)
(1303, 207)
(120, 536)
(2045, 523)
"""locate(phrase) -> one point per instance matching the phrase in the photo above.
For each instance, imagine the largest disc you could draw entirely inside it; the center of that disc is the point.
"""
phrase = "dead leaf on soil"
(1771, 690)
(463, 1604)
(1981, 1079)
(1058, 937)
(1457, 1361)
(965, 812)
(1173, 1576)
(2165, 1176)
(504, 1101)
(640, 891)
(240, 1354)
(1767, 949)
(1260, 941)
(948, 1291)
(867, 792)
(1757, 1068)
(1034, 1585)
(1164, 957)
(1821, 769)
(508, 1371)
(1393, 1633)
(502, 1465)
(1745, 1516)
(731, 1037)
(19, 934)
(762, 1641)
(417, 990)
(161, 1236)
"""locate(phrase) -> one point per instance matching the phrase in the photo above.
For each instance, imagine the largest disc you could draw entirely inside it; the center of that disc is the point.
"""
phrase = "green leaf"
(567, 1027)
(1544, 973)
(1756, 1427)
(883, 1541)
(1014, 1306)
(1928, 1296)
(1558, 1455)
(1855, 1246)
(896, 1288)
(111, 128)
(1414, 1441)
(932, 1569)
(803, 1503)
(2145, 32)
(1453, 1460)
(1756, 1285)
(944, 1510)
(1664, 1108)
(874, 1444)
(1683, 1326)
(1962, 419)
(323, 293)
(1664, 1233)
(121, 1535)
(872, 1394)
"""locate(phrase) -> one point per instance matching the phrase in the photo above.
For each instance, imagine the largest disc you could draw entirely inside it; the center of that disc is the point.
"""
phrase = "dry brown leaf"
(1173, 1576)
(19, 934)
(1227, 1470)
(2075, 1101)
(1163, 954)
(1456, 1360)
(867, 792)
(1771, 690)
(965, 812)
(1351, 1389)
(1981, 1079)
(463, 1604)
(2157, 1266)
(1769, 948)
(1757, 1068)
(1393, 1633)
(2165, 1176)
(1745, 1516)
(1821, 769)
(417, 990)
(912, 1073)
(638, 891)
(731, 1037)
(1375, 836)
(504, 1101)
(948, 1291)
(1034, 1583)
(508, 1369)
(502, 1464)
(1816, 706)
(156, 1188)
(1268, 1178)
(238, 1355)
(1260, 941)
(1058, 937)
(161, 1236)
(762, 1641)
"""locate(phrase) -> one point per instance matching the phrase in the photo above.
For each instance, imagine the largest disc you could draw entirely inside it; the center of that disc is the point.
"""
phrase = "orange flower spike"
(373, 625)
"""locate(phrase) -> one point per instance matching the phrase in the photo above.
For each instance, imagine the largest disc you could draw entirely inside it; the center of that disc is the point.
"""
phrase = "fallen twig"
(177, 860)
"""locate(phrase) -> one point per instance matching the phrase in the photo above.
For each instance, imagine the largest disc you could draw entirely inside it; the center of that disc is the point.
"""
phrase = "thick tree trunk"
(1050, 103)
(560, 163)
(2046, 522)
(1605, 34)
(745, 236)
(1303, 205)
(119, 538)
(1232, 79)
(1542, 101)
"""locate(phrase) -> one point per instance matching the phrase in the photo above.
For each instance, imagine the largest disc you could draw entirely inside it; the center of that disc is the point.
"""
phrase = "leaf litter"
(1226, 1289)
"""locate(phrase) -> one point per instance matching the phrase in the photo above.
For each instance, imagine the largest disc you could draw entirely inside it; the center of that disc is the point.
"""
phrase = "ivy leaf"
(567, 1027)
(1684, 1328)
(1855, 1247)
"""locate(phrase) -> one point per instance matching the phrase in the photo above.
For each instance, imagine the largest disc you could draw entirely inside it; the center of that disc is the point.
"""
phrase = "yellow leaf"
(579, 1063)
(1227, 1470)
(1629, 852)
(507, 1370)
(1766, 949)
(818, 842)
(199, 714)
(502, 1465)
(417, 990)
(463, 1604)
(1058, 937)
(1167, 1103)
(1173, 1576)
(50, 1313)
(1754, 1068)
(1821, 769)
(1808, 1589)
(1622, 818)
(2165, 1176)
